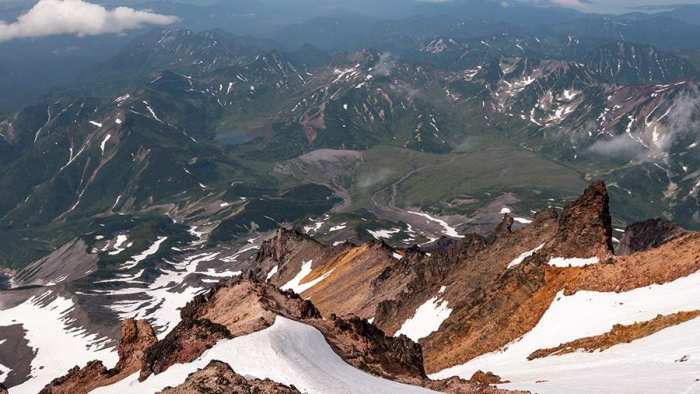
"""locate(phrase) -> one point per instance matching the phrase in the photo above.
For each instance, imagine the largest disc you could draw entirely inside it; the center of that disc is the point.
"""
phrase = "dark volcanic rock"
(585, 225)
(283, 243)
(185, 343)
(378, 354)
(504, 228)
(648, 234)
(219, 378)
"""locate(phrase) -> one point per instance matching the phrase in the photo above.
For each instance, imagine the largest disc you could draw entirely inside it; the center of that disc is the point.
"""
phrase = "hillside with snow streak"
(669, 358)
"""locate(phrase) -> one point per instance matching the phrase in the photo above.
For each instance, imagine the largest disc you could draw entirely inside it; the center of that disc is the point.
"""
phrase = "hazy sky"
(600, 6)
(603, 6)
(618, 6)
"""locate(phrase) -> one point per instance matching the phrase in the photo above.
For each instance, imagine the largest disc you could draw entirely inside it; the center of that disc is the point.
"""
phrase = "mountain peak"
(585, 225)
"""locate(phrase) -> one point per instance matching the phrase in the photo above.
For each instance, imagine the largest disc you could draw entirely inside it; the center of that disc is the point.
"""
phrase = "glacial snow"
(647, 365)
(289, 352)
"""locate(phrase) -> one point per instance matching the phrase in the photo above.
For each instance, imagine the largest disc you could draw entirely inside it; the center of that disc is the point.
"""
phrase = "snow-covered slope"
(57, 346)
(288, 352)
(668, 359)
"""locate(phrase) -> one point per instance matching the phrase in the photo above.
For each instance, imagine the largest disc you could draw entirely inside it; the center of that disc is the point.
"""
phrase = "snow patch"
(449, 231)
(104, 143)
(427, 319)
(379, 234)
(572, 262)
(121, 239)
(153, 249)
(296, 285)
(524, 255)
(272, 272)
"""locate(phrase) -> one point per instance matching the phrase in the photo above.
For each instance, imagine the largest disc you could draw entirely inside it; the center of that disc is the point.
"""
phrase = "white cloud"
(577, 4)
(571, 3)
(77, 17)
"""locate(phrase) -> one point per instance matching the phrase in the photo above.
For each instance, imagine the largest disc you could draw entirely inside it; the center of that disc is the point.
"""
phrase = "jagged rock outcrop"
(245, 305)
(485, 378)
(136, 337)
(504, 310)
(499, 292)
(219, 378)
(504, 228)
(365, 346)
(648, 234)
(185, 343)
(585, 225)
(285, 243)
(420, 276)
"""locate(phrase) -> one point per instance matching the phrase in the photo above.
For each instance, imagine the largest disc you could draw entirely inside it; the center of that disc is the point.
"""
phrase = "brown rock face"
(585, 226)
(504, 228)
(366, 347)
(455, 385)
(496, 315)
(219, 378)
(137, 335)
(185, 343)
(648, 234)
(3, 389)
(618, 334)
(347, 271)
(489, 317)
(485, 378)
(245, 306)
(420, 276)
(285, 243)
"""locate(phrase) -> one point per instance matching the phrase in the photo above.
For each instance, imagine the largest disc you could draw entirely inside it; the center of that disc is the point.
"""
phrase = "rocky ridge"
(496, 289)
(219, 378)
(242, 306)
